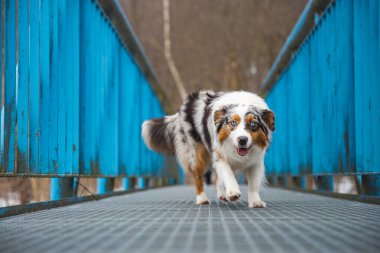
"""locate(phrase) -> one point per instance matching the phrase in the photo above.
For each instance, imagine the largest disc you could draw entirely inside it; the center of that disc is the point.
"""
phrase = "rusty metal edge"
(352, 197)
(300, 32)
(75, 175)
(9, 211)
(115, 15)
(372, 173)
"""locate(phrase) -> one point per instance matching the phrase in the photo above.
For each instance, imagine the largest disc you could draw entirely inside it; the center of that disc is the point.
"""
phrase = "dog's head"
(244, 127)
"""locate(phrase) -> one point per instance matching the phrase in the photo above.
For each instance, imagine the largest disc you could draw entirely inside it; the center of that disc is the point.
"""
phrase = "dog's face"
(244, 127)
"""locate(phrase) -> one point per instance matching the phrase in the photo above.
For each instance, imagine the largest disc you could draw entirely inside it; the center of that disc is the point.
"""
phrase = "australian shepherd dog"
(230, 129)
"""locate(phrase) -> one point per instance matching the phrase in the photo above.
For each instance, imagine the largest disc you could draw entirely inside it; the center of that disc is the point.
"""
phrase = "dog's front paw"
(257, 204)
(233, 195)
(222, 197)
(202, 199)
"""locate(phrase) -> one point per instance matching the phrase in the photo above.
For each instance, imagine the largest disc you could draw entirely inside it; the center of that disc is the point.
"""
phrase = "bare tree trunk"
(167, 45)
(234, 74)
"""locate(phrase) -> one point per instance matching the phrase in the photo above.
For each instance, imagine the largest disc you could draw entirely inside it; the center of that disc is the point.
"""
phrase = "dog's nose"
(242, 140)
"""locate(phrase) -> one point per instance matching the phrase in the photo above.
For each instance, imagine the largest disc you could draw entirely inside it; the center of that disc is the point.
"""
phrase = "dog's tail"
(158, 134)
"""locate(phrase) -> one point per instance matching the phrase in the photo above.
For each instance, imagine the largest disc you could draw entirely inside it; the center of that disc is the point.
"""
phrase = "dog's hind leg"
(198, 169)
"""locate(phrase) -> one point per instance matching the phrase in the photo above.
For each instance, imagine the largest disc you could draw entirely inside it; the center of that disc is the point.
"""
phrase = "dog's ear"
(219, 118)
(268, 117)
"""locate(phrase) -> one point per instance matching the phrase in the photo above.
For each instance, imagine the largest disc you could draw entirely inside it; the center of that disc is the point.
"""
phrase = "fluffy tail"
(158, 134)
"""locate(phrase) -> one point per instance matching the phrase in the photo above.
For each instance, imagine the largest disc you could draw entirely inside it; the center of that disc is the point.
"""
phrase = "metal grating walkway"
(167, 220)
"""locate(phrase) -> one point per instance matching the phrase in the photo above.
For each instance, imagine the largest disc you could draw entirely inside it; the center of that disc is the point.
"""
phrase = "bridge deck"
(167, 220)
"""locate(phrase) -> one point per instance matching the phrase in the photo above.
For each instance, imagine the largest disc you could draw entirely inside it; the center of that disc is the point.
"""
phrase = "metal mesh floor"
(167, 220)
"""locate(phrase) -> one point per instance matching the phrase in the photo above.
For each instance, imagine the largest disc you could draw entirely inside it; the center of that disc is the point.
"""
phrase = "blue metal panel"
(367, 89)
(34, 86)
(135, 128)
(301, 119)
(319, 156)
(109, 147)
(115, 106)
(105, 83)
(22, 88)
(279, 159)
(129, 113)
(105, 185)
(141, 183)
(72, 86)
(1, 95)
(147, 154)
(327, 100)
(321, 58)
(45, 71)
(86, 88)
(98, 79)
(60, 67)
(74, 111)
(53, 88)
(10, 86)
(89, 93)
(360, 85)
(326, 84)
(62, 188)
(144, 152)
(125, 109)
(126, 184)
(67, 154)
(75, 81)
(345, 75)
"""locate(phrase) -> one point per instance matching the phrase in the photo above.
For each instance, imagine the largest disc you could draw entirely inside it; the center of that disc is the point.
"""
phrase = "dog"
(230, 129)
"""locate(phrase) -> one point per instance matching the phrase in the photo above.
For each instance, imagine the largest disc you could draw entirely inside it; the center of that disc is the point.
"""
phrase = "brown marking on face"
(268, 117)
(224, 133)
(249, 118)
(202, 159)
(229, 126)
(219, 115)
(258, 136)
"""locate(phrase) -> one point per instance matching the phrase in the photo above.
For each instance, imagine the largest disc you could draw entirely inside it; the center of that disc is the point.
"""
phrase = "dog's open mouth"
(242, 151)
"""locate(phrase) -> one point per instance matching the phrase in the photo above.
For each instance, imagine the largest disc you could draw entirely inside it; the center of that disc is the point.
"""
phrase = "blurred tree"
(215, 44)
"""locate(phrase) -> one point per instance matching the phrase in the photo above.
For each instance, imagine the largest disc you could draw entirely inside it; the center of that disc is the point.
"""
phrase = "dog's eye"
(253, 126)
(233, 123)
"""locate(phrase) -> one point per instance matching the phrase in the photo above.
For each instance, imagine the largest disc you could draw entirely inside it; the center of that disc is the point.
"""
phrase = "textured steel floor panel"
(167, 220)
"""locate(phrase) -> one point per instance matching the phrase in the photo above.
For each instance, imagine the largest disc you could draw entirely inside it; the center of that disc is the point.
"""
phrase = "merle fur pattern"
(194, 124)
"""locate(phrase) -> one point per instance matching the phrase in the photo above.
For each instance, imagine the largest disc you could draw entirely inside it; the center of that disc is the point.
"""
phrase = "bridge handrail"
(325, 92)
(76, 86)
(300, 31)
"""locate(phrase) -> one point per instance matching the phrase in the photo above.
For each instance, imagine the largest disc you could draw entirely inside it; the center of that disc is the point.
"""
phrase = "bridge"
(76, 86)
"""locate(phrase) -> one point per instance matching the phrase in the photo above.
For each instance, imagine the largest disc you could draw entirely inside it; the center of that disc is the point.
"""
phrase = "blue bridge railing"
(75, 89)
(327, 101)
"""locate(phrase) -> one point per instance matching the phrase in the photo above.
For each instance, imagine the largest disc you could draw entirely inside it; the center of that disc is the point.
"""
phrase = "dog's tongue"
(242, 151)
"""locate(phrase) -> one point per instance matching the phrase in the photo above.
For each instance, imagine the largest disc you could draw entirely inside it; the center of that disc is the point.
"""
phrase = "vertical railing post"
(62, 188)
(105, 185)
(172, 181)
(371, 185)
(127, 184)
(141, 183)
(153, 182)
(325, 183)
(303, 182)
(274, 178)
